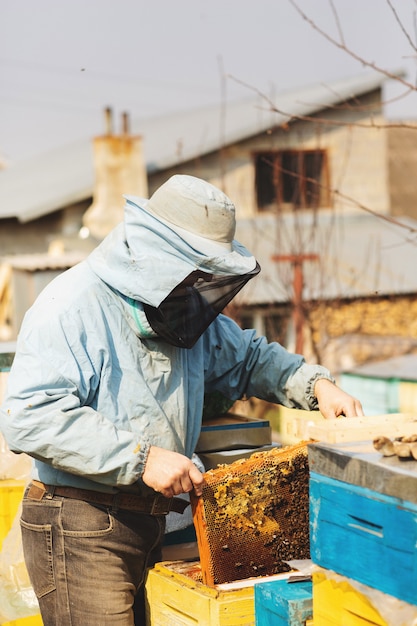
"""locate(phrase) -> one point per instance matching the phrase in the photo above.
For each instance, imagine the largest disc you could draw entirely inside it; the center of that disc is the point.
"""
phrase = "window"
(274, 323)
(291, 179)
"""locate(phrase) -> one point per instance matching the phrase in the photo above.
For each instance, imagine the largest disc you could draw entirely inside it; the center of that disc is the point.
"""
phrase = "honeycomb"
(253, 515)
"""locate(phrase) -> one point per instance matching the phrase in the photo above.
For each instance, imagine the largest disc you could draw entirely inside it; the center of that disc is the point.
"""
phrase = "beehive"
(341, 600)
(35, 620)
(253, 515)
(283, 603)
(363, 514)
(11, 493)
(175, 596)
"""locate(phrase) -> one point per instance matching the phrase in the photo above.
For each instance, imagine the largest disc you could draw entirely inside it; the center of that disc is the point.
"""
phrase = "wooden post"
(297, 261)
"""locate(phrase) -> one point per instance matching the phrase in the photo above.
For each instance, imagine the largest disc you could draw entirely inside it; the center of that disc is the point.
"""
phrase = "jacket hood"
(144, 259)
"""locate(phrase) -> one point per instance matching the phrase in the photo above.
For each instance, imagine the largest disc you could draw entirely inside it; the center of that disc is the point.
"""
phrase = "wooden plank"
(362, 428)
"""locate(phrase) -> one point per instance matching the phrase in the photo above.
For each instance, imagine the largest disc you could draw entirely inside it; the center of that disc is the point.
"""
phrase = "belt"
(150, 505)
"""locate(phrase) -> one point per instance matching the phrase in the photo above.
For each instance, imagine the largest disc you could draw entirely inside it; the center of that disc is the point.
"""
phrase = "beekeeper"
(106, 394)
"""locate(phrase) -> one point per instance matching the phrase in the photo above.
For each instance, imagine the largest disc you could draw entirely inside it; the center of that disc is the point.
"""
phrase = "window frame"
(277, 184)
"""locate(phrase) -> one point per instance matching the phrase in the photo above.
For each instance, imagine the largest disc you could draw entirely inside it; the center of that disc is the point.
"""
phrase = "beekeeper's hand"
(171, 473)
(334, 402)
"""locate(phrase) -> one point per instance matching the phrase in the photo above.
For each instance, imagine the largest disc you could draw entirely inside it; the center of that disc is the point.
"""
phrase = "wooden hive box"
(11, 494)
(176, 596)
(339, 600)
(35, 620)
(232, 432)
(363, 516)
(295, 424)
(283, 603)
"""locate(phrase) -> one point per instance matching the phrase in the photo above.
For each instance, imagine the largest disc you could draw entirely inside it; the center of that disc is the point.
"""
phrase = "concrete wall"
(402, 164)
(37, 236)
(355, 142)
(357, 161)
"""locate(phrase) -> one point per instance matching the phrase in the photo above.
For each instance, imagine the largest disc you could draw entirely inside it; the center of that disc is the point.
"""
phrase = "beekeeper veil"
(204, 218)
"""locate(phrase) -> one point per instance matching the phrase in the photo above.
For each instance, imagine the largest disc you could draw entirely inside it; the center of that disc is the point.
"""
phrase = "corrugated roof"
(39, 186)
(7, 347)
(203, 131)
(400, 368)
(358, 256)
(43, 261)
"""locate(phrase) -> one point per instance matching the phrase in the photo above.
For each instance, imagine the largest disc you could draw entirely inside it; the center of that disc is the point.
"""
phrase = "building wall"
(356, 144)
(37, 236)
(357, 156)
(358, 166)
(402, 165)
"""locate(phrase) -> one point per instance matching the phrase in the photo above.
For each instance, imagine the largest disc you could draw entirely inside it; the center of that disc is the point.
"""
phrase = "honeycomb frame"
(253, 515)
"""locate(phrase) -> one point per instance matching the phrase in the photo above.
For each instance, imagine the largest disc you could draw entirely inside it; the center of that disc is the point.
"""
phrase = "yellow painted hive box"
(339, 600)
(11, 493)
(175, 596)
(35, 620)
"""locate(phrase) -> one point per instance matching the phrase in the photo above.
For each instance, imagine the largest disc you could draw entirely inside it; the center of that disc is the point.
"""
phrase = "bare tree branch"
(405, 33)
(382, 216)
(350, 52)
(308, 118)
(336, 17)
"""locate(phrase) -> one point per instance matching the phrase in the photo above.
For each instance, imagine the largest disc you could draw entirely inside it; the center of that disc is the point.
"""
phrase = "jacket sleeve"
(49, 411)
(238, 364)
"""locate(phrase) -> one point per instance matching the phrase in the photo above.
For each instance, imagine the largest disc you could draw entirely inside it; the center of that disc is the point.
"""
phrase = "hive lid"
(231, 432)
(358, 463)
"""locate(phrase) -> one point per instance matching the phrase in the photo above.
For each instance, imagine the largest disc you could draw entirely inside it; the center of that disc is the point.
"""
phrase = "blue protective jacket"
(91, 387)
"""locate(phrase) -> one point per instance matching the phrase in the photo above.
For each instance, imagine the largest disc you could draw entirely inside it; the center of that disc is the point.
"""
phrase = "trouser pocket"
(37, 550)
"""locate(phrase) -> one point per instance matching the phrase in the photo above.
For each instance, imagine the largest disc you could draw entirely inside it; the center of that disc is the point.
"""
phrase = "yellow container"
(338, 600)
(175, 596)
(35, 620)
(11, 493)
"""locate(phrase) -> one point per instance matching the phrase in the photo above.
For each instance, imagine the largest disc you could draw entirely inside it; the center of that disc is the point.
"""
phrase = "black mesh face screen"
(188, 310)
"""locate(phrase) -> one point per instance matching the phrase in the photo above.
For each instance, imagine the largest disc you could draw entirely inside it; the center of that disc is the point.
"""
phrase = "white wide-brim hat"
(197, 211)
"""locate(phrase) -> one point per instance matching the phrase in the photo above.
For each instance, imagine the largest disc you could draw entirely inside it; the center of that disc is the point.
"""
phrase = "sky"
(63, 61)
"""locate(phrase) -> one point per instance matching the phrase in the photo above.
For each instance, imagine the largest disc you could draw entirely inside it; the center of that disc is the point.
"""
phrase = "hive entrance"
(253, 515)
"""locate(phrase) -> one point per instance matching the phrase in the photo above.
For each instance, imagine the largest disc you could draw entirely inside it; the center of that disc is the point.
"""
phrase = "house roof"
(351, 256)
(40, 262)
(398, 368)
(36, 187)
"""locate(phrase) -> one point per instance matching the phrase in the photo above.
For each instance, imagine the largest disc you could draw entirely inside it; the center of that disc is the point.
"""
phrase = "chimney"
(119, 169)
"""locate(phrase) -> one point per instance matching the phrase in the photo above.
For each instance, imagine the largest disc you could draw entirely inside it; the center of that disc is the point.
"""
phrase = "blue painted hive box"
(283, 603)
(363, 516)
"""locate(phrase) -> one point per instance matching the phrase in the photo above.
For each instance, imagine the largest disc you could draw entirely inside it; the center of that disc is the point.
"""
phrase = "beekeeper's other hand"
(334, 402)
